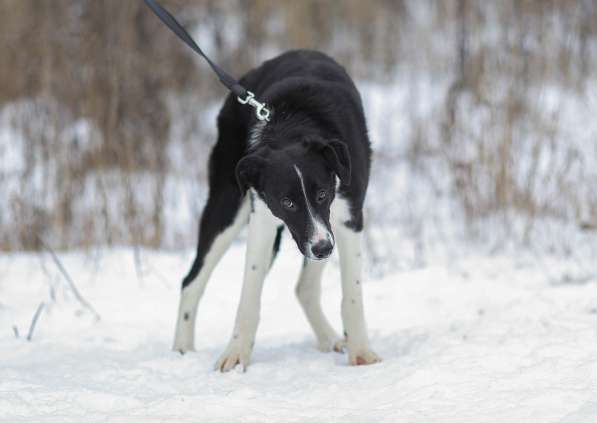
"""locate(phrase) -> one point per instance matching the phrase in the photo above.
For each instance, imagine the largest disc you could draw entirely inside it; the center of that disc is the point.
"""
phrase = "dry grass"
(110, 68)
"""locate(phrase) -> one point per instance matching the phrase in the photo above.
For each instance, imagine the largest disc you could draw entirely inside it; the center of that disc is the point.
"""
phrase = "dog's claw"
(233, 356)
(362, 358)
(335, 344)
(183, 345)
(340, 345)
(228, 363)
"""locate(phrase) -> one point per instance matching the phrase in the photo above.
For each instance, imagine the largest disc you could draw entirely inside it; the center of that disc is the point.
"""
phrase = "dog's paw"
(362, 357)
(331, 344)
(235, 354)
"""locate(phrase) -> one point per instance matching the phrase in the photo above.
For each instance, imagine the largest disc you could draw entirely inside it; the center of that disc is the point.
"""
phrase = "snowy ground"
(478, 339)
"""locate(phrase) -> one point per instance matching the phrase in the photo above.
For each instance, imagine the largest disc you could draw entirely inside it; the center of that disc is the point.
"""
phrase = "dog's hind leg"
(308, 292)
(349, 242)
(223, 217)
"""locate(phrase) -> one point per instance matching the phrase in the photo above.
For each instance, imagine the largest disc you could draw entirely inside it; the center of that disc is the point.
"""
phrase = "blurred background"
(483, 117)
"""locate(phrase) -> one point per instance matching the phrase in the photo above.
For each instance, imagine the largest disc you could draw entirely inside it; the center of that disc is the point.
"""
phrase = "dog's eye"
(321, 195)
(287, 203)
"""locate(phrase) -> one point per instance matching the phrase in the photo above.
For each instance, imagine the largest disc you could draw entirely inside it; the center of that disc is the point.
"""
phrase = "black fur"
(317, 122)
(277, 242)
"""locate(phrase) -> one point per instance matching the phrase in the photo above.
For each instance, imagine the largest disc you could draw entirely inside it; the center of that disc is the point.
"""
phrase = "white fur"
(256, 132)
(339, 211)
(192, 293)
(308, 292)
(262, 232)
(319, 232)
(351, 258)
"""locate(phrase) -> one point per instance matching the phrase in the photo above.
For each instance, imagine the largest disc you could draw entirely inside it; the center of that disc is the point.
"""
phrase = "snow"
(477, 338)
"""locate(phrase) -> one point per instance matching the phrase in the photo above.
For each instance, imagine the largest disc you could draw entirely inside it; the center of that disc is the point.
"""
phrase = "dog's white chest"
(339, 212)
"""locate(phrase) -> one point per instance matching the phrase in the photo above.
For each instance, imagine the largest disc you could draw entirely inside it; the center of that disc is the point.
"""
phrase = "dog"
(307, 171)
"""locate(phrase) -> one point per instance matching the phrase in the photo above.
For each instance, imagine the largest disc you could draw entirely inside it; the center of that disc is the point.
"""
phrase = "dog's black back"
(308, 92)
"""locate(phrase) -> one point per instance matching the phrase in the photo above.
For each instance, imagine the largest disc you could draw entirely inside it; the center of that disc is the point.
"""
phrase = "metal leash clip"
(261, 110)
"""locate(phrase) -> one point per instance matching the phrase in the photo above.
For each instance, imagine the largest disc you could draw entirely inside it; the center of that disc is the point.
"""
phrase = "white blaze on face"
(319, 231)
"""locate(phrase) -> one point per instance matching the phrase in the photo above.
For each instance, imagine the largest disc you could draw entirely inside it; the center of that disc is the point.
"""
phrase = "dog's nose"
(322, 249)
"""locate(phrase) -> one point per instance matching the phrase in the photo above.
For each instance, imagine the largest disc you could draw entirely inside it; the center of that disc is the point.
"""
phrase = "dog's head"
(298, 184)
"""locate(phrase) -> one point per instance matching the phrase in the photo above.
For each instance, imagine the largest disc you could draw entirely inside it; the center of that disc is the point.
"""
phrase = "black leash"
(243, 95)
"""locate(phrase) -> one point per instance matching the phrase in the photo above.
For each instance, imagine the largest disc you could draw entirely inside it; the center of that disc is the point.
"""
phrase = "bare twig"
(164, 280)
(44, 268)
(138, 264)
(34, 320)
(71, 284)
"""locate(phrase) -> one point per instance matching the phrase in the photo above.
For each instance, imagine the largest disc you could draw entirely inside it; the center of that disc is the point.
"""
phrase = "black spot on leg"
(277, 242)
(345, 334)
(358, 282)
(352, 300)
(253, 267)
(186, 316)
(252, 199)
(235, 336)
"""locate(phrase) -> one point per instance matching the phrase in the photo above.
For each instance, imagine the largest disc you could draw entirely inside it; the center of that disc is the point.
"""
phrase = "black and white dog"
(307, 169)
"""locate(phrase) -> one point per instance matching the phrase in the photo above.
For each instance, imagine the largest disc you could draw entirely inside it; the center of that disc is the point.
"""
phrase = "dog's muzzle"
(322, 249)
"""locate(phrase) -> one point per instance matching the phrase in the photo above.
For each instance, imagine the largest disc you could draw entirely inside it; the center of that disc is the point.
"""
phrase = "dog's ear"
(248, 172)
(336, 155)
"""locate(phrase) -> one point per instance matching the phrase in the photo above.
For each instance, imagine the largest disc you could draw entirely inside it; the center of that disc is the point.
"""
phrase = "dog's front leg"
(262, 232)
(308, 292)
(353, 317)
